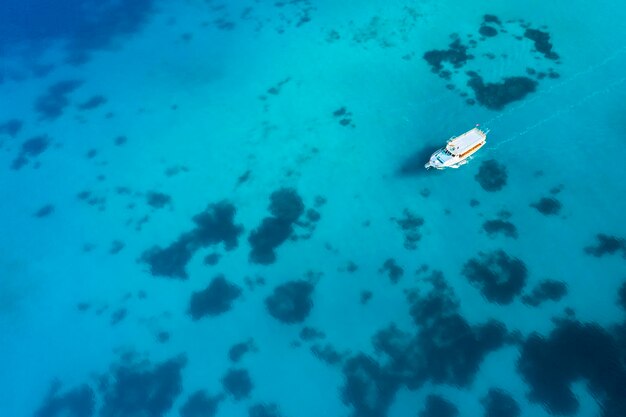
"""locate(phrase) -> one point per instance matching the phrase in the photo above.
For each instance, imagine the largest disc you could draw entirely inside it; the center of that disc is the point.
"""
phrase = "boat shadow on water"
(413, 165)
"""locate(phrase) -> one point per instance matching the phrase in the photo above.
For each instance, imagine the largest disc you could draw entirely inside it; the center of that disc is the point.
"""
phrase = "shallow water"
(219, 208)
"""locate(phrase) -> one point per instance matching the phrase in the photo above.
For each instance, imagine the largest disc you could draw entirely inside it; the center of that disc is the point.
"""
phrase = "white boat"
(458, 150)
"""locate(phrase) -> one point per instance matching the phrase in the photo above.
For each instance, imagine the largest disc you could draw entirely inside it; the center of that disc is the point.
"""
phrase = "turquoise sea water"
(218, 208)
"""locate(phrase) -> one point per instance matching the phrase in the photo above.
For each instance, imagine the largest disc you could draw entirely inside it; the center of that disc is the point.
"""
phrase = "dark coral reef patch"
(546, 290)
(92, 102)
(237, 383)
(156, 199)
(487, 31)
(394, 272)
(238, 350)
(212, 259)
(451, 348)
(496, 96)
(456, 55)
(468, 52)
(80, 26)
(286, 207)
(215, 299)
(327, 353)
(499, 277)
(437, 406)
(30, 149)
(309, 333)
(213, 226)
(291, 302)
(499, 226)
(411, 225)
(264, 410)
(200, 404)
(286, 204)
(542, 42)
(266, 238)
(11, 127)
(491, 175)
(368, 388)
(548, 206)
(44, 211)
(53, 102)
(572, 352)
(118, 315)
(443, 349)
(135, 390)
(499, 403)
(79, 402)
(607, 245)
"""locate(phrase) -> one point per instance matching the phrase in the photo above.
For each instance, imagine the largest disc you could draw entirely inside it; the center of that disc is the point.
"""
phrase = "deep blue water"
(216, 208)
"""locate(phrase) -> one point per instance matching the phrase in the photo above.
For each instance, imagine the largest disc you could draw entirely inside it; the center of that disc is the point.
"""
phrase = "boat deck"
(466, 141)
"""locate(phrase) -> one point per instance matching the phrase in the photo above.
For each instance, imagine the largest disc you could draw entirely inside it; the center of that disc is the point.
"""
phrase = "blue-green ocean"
(220, 208)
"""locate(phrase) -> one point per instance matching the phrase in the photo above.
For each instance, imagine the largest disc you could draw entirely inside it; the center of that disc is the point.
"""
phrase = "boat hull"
(458, 151)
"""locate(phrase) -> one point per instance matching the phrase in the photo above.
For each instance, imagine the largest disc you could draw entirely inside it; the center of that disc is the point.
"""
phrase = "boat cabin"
(466, 144)
(458, 150)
